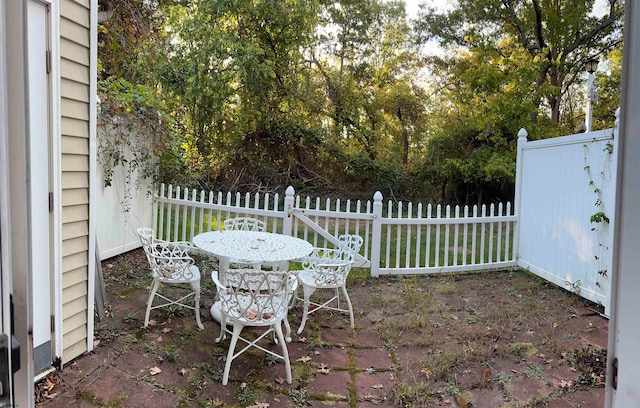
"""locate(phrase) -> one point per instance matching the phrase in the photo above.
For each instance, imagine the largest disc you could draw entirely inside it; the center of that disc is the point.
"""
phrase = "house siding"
(75, 99)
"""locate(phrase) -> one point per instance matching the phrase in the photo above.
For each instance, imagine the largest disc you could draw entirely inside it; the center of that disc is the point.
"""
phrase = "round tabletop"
(252, 246)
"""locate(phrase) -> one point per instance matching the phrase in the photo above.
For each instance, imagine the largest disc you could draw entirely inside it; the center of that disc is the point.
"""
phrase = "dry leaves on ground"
(45, 386)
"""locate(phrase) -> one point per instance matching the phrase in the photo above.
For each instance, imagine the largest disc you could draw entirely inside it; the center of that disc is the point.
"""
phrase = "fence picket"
(447, 231)
(499, 245)
(439, 216)
(507, 234)
(456, 232)
(482, 232)
(428, 243)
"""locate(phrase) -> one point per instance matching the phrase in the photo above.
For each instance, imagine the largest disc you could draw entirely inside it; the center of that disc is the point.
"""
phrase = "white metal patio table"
(250, 247)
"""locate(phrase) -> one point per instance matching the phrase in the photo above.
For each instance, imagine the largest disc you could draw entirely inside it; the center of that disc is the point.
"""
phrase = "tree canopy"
(331, 97)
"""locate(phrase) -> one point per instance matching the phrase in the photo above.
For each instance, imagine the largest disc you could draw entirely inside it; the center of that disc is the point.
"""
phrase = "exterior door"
(38, 44)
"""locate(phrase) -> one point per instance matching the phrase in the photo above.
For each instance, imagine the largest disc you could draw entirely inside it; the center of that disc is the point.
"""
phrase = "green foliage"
(134, 129)
(327, 97)
(555, 39)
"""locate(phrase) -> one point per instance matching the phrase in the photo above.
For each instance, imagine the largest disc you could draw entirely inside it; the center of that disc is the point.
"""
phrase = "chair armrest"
(216, 280)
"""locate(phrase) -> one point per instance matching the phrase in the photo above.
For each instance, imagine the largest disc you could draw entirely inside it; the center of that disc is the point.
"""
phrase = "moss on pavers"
(333, 386)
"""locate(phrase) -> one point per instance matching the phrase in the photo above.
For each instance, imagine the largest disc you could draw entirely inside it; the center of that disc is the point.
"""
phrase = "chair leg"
(307, 291)
(196, 289)
(285, 353)
(346, 297)
(287, 329)
(237, 328)
(152, 293)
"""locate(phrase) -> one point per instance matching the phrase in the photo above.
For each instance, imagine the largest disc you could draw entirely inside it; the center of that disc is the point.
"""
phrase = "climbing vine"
(133, 131)
(600, 217)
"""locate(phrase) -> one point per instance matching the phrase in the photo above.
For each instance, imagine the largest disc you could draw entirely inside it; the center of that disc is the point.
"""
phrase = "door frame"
(15, 230)
(54, 165)
(5, 264)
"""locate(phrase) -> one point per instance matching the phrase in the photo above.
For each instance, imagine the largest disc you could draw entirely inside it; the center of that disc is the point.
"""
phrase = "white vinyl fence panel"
(121, 209)
(562, 183)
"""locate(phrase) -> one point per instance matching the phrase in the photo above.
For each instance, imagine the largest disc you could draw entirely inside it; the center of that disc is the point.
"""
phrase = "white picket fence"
(398, 239)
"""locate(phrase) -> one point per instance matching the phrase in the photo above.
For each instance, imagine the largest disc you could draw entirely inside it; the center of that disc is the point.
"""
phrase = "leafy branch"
(134, 131)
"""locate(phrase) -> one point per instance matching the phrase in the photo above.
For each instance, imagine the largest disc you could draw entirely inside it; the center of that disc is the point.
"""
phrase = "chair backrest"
(244, 224)
(146, 238)
(255, 297)
(349, 245)
(168, 260)
(330, 275)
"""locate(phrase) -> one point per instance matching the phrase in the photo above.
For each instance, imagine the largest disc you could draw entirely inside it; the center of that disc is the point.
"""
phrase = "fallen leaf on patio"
(465, 400)
(166, 330)
(159, 339)
(324, 369)
(152, 322)
(304, 359)
(183, 371)
(377, 386)
(155, 370)
(373, 399)
(280, 380)
(259, 405)
(74, 367)
(486, 372)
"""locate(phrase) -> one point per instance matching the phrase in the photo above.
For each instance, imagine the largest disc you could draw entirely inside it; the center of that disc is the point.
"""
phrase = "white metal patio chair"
(328, 269)
(249, 224)
(244, 224)
(170, 264)
(251, 297)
